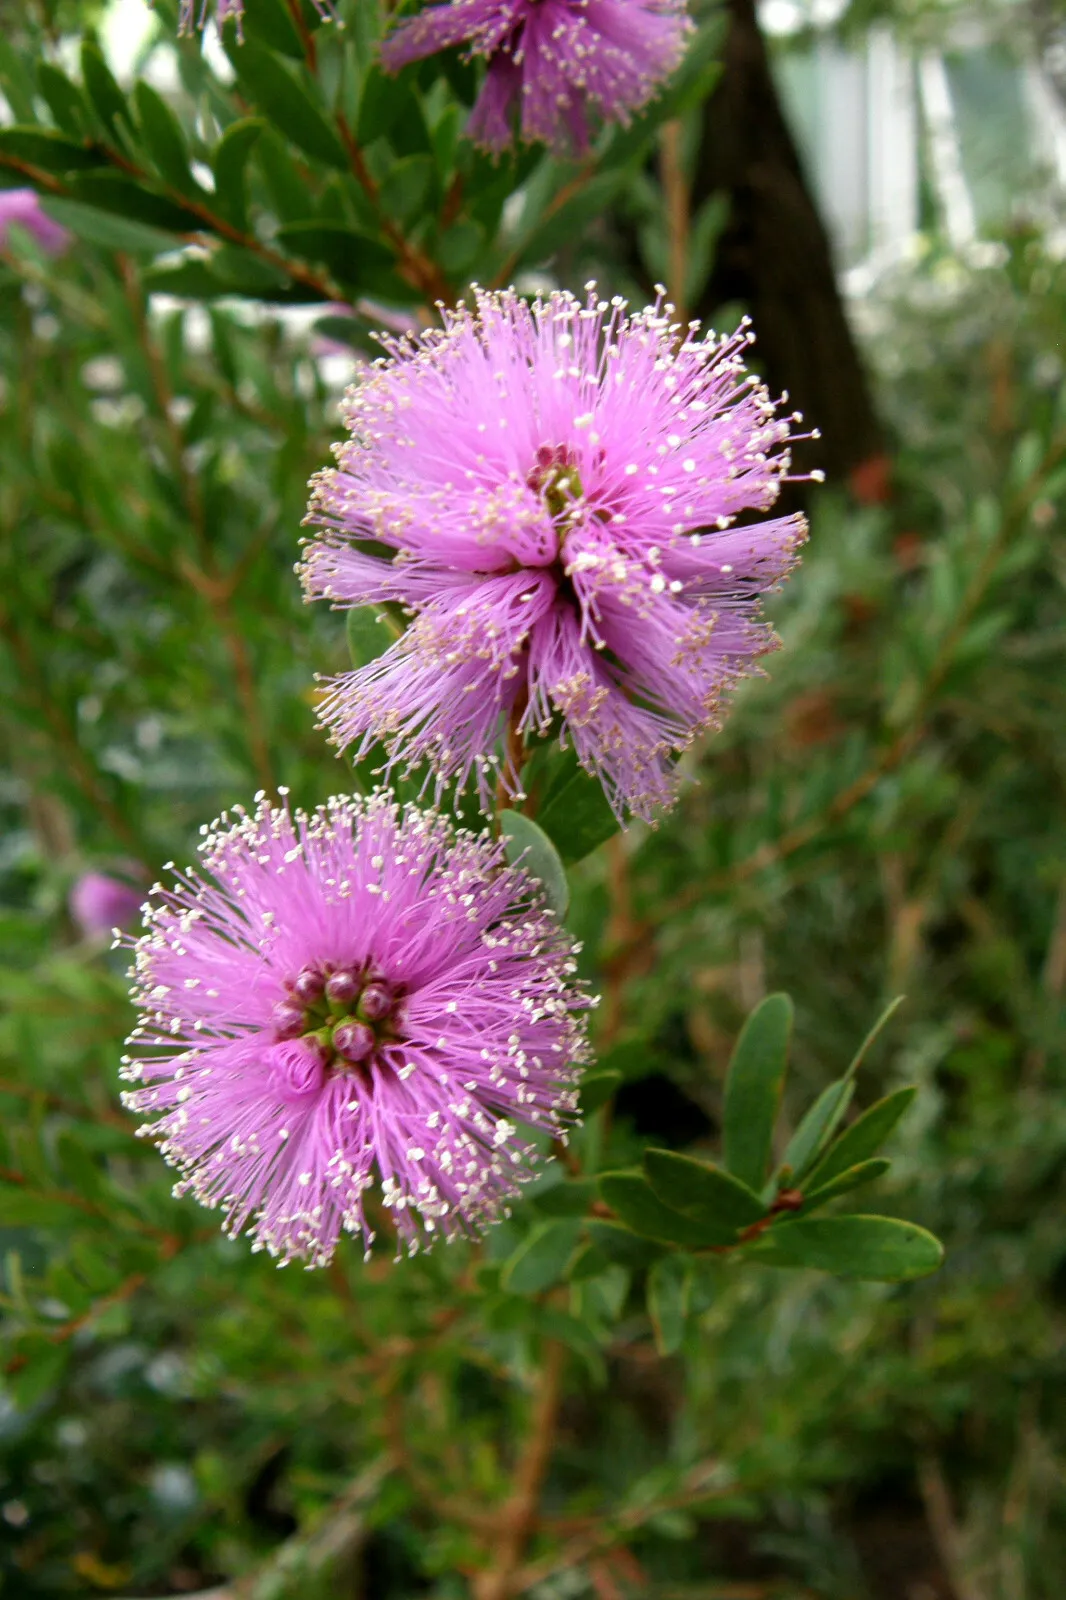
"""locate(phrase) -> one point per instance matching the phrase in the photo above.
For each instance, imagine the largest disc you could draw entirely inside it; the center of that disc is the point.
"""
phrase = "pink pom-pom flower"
(558, 495)
(551, 59)
(358, 994)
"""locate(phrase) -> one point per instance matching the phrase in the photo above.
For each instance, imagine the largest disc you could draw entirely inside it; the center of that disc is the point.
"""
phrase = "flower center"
(347, 1014)
(556, 479)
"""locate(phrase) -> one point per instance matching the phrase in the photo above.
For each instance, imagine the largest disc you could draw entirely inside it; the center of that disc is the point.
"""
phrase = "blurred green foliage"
(883, 814)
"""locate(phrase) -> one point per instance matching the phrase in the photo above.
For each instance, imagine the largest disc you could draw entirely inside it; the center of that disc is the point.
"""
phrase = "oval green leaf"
(632, 1197)
(753, 1089)
(713, 1198)
(882, 1248)
(529, 847)
(541, 1258)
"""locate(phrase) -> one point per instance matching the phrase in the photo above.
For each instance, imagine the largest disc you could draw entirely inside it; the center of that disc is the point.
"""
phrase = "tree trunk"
(775, 256)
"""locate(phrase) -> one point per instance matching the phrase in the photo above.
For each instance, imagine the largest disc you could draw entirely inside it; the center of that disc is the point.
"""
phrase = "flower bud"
(309, 986)
(288, 1020)
(297, 1068)
(375, 1002)
(342, 986)
(353, 1040)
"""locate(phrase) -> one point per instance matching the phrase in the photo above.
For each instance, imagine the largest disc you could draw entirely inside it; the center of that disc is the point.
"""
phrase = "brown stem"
(422, 273)
(509, 786)
(676, 197)
(520, 1512)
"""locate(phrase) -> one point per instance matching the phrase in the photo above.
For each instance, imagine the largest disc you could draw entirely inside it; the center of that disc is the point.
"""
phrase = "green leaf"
(589, 1262)
(865, 1136)
(824, 1117)
(571, 805)
(883, 1248)
(597, 1089)
(63, 99)
(105, 96)
(720, 1203)
(668, 1290)
(21, 1210)
(112, 233)
(816, 1128)
(43, 1371)
(288, 104)
(631, 1196)
(269, 22)
(369, 631)
(529, 847)
(113, 191)
(753, 1089)
(353, 258)
(619, 1243)
(52, 152)
(861, 1173)
(230, 162)
(163, 138)
(571, 1198)
(389, 108)
(406, 187)
(541, 1258)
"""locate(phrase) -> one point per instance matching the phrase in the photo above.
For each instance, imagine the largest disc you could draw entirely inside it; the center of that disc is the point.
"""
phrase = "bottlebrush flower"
(100, 904)
(357, 991)
(21, 208)
(552, 493)
(551, 58)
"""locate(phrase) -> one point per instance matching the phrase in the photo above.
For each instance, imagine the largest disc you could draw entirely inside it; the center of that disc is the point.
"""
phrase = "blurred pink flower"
(99, 904)
(21, 208)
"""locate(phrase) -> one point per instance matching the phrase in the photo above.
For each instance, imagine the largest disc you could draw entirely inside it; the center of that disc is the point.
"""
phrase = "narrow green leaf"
(753, 1089)
(269, 22)
(52, 152)
(883, 1248)
(21, 1210)
(875, 1032)
(110, 232)
(541, 1258)
(63, 99)
(865, 1136)
(597, 1089)
(816, 1128)
(106, 97)
(43, 1371)
(528, 846)
(230, 162)
(668, 1293)
(113, 191)
(632, 1197)
(853, 1178)
(406, 187)
(353, 258)
(715, 1199)
(287, 102)
(163, 138)
(825, 1116)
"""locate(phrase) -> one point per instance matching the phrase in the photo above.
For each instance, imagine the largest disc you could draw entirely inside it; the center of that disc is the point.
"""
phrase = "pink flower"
(552, 59)
(559, 496)
(100, 904)
(21, 208)
(358, 994)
